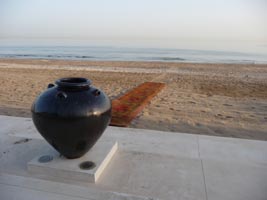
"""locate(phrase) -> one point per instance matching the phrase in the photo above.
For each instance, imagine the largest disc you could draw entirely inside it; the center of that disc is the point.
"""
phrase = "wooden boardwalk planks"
(128, 106)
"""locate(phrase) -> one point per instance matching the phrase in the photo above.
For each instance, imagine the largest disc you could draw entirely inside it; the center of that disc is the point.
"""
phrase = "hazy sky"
(134, 20)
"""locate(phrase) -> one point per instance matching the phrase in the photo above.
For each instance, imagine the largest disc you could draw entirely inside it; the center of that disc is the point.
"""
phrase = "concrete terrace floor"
(149, 165)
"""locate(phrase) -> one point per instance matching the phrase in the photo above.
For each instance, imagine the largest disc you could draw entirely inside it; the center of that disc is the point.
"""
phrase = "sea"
(114, 53)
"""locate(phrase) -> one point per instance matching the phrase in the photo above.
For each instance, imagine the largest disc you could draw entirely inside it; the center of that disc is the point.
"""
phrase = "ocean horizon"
(113, 53)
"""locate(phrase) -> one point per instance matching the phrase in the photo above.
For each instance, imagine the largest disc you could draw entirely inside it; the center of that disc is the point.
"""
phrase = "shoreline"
(139, 67)
(41, 61)
(212, 99)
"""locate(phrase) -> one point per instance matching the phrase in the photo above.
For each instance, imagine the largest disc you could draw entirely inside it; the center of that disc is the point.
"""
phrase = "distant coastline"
(92, 53)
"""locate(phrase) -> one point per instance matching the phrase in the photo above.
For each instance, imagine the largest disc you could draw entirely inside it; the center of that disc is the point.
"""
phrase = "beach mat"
(128, 106)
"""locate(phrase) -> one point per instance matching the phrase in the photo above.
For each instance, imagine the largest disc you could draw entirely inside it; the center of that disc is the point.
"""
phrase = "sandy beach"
(214, 99)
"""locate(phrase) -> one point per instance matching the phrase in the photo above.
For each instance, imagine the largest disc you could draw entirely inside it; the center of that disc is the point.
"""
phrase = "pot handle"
(96, 92)
(61, 95)
(50, 85)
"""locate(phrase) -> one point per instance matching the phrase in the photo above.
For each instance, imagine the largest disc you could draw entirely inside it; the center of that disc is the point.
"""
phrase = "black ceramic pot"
(71, 115)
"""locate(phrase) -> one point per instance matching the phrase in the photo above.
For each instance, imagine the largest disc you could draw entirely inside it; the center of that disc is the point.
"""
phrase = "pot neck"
(73, 83)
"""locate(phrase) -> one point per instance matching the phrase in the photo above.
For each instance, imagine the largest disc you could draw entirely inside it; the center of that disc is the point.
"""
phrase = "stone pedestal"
(88, 168)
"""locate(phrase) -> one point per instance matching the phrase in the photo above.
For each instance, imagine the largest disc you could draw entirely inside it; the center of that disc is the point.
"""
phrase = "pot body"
(71, 115)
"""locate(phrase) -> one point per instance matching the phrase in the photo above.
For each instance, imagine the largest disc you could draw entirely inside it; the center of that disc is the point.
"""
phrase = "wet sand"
(227, 100)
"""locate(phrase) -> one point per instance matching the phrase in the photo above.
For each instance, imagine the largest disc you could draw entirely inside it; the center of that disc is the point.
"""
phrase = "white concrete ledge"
(149, 165)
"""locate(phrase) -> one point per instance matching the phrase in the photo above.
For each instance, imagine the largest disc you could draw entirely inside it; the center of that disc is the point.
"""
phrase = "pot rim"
(73, 82)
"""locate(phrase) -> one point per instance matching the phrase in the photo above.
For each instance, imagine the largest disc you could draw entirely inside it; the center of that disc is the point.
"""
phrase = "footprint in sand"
(198, 124)
(192, 102)
(227, 104)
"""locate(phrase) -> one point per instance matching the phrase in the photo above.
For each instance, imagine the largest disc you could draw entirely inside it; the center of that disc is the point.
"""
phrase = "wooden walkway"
(128, 106)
